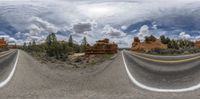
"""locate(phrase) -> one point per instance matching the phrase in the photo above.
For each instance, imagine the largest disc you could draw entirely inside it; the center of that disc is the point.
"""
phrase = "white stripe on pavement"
(156, 89)
(11, 73)
(7, 53)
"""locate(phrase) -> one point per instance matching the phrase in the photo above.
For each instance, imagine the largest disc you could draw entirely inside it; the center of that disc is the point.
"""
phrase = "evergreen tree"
(24, 46)
(84, 44)
(152, 38)
(70, 41)
(34, 43)
(51, 38)
(164, 40)
(29, 44)
(84, 41)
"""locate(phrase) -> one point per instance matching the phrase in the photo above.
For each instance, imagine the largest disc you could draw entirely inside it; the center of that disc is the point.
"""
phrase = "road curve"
(174, 77)
(167, 58)
(8, 61)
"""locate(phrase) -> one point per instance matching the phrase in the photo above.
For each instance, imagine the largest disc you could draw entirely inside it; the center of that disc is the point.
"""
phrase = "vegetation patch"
(173, 46)
(62, 52)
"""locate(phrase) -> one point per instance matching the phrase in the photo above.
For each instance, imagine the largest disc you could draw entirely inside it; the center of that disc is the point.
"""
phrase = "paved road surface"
(7, 63)
(33, 80)
(162, 74)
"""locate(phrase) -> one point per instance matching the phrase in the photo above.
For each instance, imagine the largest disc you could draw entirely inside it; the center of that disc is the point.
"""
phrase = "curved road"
(33, 80)
(164, 73)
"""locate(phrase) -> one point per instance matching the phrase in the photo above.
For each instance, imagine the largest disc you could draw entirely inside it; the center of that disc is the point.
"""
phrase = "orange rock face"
(143, 46)
(197, 44)
(3, 43)
(102, 47)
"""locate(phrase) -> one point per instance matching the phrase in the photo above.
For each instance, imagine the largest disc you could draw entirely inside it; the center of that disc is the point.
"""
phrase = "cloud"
(144, 31)
(184, 35)
(8, 38)
(124, 27)
(34, 19)
(82, 27)
(38, 25)
(154, 27)
(112, 32)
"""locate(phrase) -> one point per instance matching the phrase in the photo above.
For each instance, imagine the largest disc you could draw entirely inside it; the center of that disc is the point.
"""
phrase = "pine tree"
(33, 43)
(24, 46)
(84, 41)
(51, 38)
(164, 40)
(84, 44)
(70, 41)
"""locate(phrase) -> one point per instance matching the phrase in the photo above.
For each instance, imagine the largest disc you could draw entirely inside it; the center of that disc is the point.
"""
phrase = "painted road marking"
(137, 83)
(7, 53)
(167, 61)
(11, 73)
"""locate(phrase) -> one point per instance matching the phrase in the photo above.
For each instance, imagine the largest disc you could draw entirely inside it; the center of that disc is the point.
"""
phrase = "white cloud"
(56, 15)
(154, 27)
(184, 35)
(8, 38)
(112, 32)
(39, 25)
(124, 27)
(144, 31)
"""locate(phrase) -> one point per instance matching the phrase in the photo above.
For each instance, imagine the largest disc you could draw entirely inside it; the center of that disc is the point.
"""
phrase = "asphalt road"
(33, 80)
(165, 73)
(7, 63)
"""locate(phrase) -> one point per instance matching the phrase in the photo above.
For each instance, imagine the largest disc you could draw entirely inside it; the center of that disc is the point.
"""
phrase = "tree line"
(179, 46)
(54, 48)
(171, 43)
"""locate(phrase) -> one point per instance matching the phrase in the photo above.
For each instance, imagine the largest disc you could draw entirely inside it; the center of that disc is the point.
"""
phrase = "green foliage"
(173, 44)
(53, 48)
(70, 41)
(84, 44)
(150, 39)
(180, 44)
(164, 40)
(176, 44)
(56, 49)
(175, 47)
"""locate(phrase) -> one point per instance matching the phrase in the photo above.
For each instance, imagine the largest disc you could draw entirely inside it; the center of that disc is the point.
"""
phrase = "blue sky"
(120, 20)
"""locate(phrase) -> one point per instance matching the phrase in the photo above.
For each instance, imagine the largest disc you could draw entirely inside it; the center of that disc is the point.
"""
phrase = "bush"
(53, 48)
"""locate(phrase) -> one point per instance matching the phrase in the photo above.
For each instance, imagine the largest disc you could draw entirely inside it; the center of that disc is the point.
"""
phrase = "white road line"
(192, 88)
(11, 73)
(6, 53)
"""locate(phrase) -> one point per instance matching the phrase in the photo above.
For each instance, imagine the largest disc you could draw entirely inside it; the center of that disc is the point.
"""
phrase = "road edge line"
(167, 61)
(6, 54)
(137, 83)
(3, 83)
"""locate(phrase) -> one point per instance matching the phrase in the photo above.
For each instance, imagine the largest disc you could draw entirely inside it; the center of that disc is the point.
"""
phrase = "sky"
(119, 20)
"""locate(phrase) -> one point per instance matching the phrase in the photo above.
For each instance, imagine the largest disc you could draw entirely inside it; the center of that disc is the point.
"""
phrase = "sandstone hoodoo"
(150, 43)
(3, 43)
(102, 47)
(197, 44)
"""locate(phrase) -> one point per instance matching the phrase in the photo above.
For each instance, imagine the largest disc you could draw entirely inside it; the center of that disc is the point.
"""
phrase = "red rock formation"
(3, 43)
(102, 47)
(144, 46)
(197, 44)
